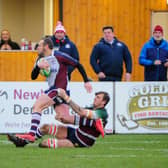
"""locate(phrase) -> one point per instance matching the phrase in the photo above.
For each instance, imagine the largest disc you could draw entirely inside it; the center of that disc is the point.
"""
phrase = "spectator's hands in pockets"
(101, 75)
(166, 63)
(157, 62)
(88, 87)
(127, 77)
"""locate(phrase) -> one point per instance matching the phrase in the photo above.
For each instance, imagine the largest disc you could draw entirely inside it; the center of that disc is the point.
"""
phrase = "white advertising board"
(17, 99)
(141, 107)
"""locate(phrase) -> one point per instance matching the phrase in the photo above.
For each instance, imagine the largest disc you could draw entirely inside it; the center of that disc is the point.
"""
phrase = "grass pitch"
(114, 151)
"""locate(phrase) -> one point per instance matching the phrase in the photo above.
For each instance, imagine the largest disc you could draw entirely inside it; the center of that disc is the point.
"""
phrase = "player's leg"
(65, 137)
(62, 110)
(41, 103)
(59, 132)
(56, 143)
(54, 130)
(64, 116)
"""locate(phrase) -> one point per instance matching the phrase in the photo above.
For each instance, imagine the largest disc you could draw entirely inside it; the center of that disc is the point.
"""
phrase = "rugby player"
(87, 120)
(58, 78)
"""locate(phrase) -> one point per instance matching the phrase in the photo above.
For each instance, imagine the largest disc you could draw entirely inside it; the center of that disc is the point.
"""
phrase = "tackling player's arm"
(91, 114)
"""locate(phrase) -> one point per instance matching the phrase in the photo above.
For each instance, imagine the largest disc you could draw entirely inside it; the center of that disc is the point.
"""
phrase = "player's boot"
(18, 142)
(28, 137)
(99, 126)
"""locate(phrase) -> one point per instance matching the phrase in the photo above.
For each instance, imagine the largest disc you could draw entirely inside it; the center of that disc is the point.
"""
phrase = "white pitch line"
(102, 156)
(130, 142)
(139, 149)
(106, 156)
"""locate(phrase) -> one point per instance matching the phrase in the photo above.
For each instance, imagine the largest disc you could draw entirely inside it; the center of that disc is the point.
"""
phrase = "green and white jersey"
(99, 113)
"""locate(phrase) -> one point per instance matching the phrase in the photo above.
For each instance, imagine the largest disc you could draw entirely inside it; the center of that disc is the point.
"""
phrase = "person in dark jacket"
(154, 57)
(6, 42)
(108, 55)
(63, 44)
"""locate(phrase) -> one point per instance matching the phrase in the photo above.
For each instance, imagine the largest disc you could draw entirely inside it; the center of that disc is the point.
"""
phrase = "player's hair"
(106, 96)
(108, 27)
(48, 41)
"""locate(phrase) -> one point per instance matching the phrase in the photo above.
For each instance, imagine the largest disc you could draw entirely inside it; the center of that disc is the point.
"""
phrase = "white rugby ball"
(44, 72)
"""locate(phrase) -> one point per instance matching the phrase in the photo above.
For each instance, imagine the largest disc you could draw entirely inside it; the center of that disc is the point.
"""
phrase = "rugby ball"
(44, 72)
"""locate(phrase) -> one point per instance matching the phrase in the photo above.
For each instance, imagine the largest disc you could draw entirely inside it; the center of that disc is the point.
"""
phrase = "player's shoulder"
(60, 53)
(61, 56)
(102, 112)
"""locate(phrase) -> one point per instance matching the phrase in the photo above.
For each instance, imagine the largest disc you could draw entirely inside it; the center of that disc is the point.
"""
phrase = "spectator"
(6, 42)
(63, 43)
(154, 57)
(108, 55)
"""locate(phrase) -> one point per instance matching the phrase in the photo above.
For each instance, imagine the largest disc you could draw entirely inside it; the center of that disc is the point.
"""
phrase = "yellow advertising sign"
(148, 105)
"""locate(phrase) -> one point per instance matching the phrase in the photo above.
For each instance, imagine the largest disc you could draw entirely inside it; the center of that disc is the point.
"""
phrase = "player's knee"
(61, 109)
(63, 119)
(45, 129)
(44, 144)
(58, 111)
(37, 108)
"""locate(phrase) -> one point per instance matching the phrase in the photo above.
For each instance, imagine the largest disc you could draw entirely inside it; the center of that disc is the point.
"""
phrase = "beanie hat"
(60, 27)
(158, 28)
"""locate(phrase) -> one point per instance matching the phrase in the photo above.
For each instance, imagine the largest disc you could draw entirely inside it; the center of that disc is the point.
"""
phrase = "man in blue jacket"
(62, 43)
(108, 55)
(154, 57)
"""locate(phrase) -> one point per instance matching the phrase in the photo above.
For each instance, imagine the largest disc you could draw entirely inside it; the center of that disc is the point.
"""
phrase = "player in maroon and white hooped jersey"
(58, 78)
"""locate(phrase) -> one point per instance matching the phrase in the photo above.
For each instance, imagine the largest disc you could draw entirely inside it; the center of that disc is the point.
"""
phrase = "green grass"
(114, 151)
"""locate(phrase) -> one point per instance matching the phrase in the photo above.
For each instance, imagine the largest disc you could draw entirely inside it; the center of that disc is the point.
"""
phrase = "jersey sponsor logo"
(67, 46)
(119, 44)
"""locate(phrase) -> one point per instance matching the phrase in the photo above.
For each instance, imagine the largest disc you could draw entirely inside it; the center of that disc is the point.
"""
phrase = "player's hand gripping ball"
(44, 67)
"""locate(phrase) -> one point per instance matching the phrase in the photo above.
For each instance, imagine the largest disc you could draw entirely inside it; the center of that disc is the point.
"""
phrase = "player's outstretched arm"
(87, 84)
(77, 109)
(68, 60)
